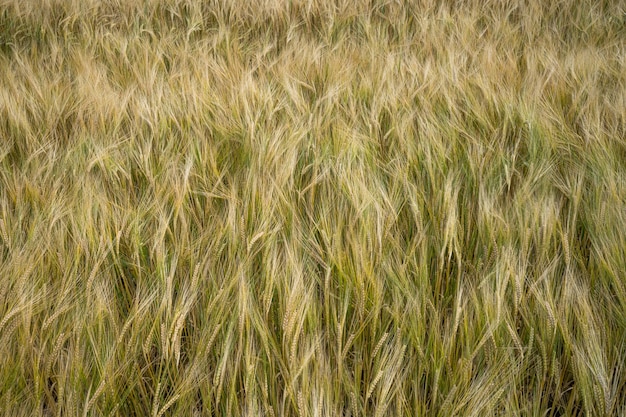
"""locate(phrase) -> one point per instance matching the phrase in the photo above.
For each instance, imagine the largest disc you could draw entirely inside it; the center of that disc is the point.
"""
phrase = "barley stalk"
(96, 395)
(155, 399)
(379, 344)
(168, 405)
(293, 180)
(373, 385)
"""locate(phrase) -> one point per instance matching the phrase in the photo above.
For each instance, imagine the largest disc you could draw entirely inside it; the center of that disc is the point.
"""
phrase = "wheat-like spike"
(168, 405)
(241, 319)
(164, 344)
(195, 277)
(242, 230)
(8, 317)
(516, 340)
(556, 367)
(493, 399)
(287, 319)
(347, 345)
(566, 251)
(177, 336)
(213, 337)
(176, 349)
(458, 312)
(29, 270)
(94, 273)
(401, 356)
(71, 404)
(599, 396)
(362, 300)
(124, 330)
(5, 235)
(301, 408)
(321, 174)
(55, 353)
(544, 357)
(292, 321)
(379, 344)
(518, 291)
(217, 378)
(96, 394)
(496, 250)
(54, 316)
(551, 318)
(9, 330)
(435, 394)
(373, 385)
(146, 343)
(155, 399)
(60, 398)
(114, 410)
(293, 349)
(448, 401)
(353, 404)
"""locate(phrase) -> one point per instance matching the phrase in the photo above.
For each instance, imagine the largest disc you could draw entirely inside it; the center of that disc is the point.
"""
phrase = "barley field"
(312, 208)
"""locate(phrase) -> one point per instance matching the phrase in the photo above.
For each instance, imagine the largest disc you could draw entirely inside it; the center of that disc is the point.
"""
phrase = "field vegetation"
(312, 208)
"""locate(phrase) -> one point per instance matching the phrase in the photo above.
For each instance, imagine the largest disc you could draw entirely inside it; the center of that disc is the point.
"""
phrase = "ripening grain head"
(312, 208)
